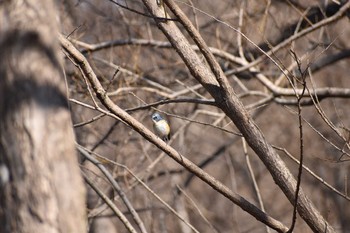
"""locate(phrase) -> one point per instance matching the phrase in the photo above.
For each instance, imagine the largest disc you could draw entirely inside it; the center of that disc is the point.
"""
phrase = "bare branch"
(146, 133)
(229, 103)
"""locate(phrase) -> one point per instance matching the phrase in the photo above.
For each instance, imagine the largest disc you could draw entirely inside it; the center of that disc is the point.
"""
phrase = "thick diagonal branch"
(217, 85)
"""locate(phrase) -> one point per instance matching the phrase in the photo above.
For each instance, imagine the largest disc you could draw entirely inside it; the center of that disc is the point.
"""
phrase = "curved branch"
(313, 15)
(342, 11)
(321, 93)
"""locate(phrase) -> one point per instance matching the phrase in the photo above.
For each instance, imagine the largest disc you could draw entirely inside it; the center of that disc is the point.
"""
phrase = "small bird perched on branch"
(161, 127)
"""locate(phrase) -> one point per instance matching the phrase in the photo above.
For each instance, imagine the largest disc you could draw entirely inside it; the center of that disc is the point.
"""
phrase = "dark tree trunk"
(41, 189)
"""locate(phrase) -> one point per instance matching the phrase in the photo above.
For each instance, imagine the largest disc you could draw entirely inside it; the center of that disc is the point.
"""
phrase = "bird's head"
(156, 117)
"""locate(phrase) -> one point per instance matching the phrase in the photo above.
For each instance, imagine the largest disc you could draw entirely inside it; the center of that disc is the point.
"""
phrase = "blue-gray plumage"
(161, 127)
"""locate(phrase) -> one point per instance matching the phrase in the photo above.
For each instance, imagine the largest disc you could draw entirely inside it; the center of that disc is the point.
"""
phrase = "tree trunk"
(41, 189)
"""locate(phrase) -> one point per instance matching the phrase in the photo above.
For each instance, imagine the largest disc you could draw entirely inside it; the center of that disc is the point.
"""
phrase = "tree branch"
(81, 61)
(231, 105)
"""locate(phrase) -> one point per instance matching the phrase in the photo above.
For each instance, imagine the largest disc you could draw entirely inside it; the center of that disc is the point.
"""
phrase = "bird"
(161, 127)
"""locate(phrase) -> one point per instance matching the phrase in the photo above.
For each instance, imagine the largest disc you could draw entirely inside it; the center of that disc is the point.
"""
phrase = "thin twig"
(116, 186)
(301, 146)
(252, 176)
(136, 177)
(320, 179)
(110, 203)
(342, 11)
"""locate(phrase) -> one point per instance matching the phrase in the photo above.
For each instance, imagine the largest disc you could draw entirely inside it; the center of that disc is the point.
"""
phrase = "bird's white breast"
(162, 128)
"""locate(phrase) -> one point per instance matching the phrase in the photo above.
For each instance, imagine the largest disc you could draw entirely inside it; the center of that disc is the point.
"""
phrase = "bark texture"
(41, 189)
